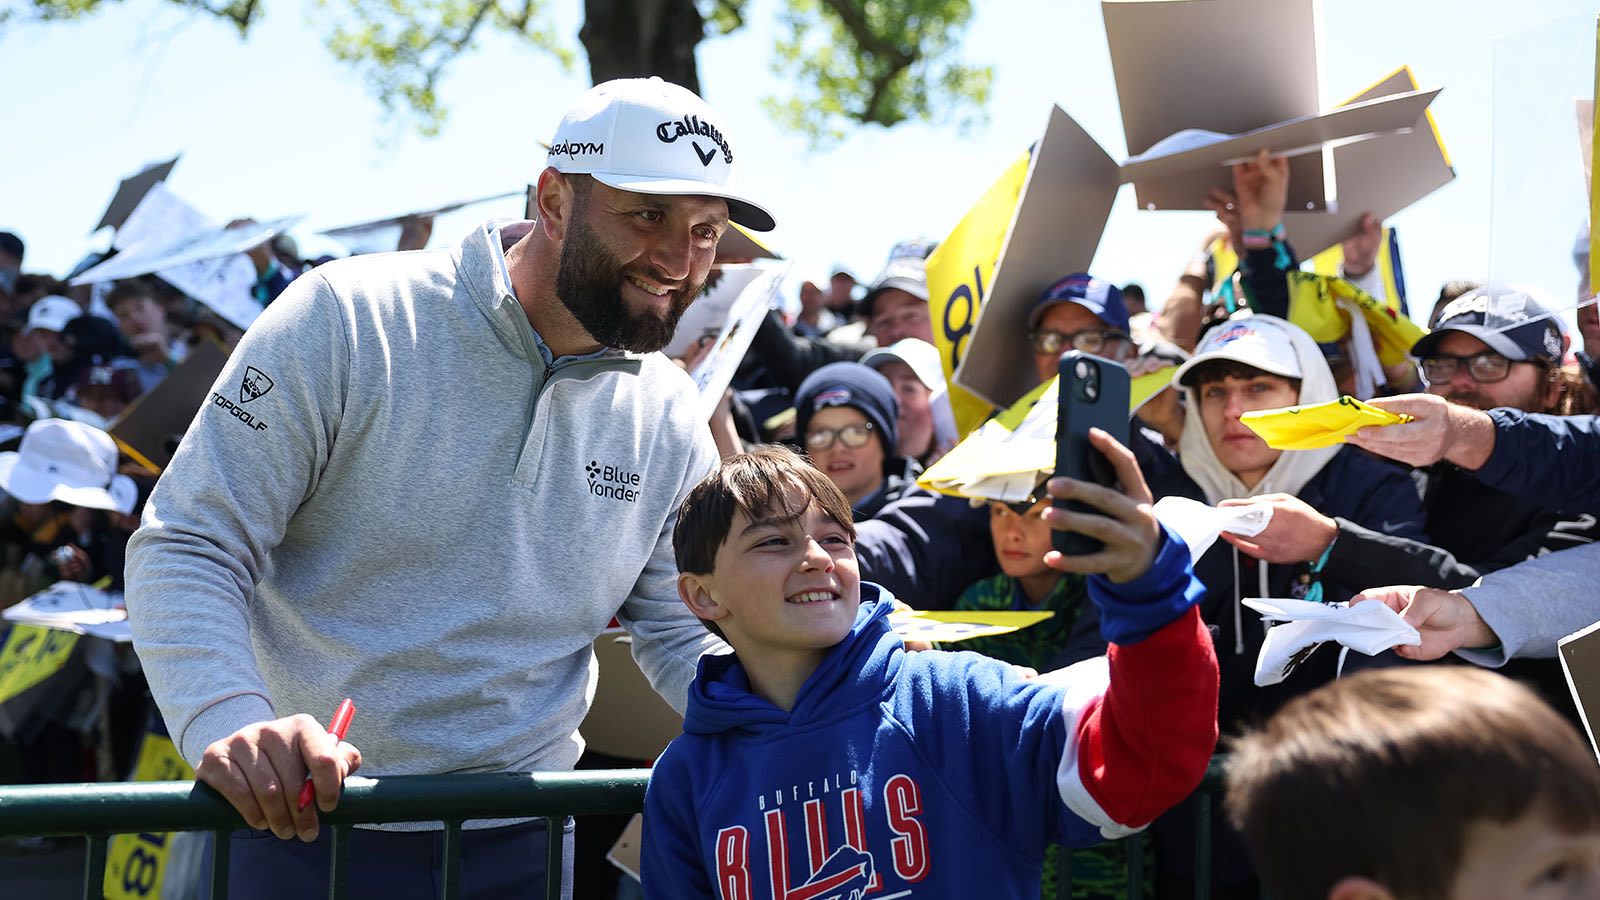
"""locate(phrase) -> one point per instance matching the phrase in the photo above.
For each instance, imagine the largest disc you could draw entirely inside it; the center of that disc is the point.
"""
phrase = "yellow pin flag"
(1594, 198)
(948, 626)
(959, 272)
(1318, 425)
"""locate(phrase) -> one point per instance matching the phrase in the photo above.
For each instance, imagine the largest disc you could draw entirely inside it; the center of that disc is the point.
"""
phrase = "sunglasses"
(1484, 368)
(1048, 341)
(853, 436)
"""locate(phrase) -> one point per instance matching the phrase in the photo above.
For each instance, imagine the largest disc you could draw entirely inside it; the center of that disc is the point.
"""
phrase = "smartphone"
(1093, 394)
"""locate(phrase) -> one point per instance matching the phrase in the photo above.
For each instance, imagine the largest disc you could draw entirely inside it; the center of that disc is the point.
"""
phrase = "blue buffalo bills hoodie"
(934, 774)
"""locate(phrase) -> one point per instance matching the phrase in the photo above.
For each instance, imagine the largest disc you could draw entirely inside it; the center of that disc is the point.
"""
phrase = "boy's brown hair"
(1381, 775)
(759, 483)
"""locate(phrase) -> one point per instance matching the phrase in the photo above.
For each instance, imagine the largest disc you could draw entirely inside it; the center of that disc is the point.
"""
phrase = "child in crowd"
(1025, 583)
(822, 758)
(1444, 782)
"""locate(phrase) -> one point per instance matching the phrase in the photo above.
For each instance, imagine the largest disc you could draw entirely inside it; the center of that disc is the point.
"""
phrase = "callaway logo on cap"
(652, 137)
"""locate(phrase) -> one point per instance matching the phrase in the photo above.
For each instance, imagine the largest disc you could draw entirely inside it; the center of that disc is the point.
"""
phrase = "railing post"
(555, 857)
(221, 846)
(451, 874)
(94, 866)
(339, 863)
(1202, 847)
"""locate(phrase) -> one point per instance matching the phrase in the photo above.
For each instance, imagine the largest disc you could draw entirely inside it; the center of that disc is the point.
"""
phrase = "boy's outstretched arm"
(1144, 744)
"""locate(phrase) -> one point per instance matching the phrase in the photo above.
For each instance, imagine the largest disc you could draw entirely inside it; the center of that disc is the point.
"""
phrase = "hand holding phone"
(1093, 394)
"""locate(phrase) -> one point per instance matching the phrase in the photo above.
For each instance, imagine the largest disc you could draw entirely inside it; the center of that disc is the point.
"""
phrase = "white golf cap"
(650, 136)
(1259, 341)
(51, 313)
(68, 461)
(921, 356)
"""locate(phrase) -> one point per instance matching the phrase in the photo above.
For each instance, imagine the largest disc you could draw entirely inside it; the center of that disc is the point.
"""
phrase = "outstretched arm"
(1143, 744)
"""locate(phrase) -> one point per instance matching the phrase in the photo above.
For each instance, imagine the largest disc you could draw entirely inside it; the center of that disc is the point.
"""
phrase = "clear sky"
(273, 126)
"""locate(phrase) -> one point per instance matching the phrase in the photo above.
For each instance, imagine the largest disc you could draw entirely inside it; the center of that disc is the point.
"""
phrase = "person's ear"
(1357, 888)
(554, 198)
(695, 592)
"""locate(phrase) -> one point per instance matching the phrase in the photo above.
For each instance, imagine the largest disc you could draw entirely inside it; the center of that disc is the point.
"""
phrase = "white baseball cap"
(75, 463)
(1259, 341)
(52, 313)
(921, 356)
(650, 136)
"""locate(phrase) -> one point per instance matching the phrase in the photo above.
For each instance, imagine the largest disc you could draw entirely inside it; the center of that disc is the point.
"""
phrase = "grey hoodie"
(391, 496)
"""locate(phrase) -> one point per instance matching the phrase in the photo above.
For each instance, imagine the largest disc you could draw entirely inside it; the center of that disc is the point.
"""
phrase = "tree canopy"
(843, 62)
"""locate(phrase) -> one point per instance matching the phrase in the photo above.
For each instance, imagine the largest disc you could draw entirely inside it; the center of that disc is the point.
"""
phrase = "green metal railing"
(95, 812)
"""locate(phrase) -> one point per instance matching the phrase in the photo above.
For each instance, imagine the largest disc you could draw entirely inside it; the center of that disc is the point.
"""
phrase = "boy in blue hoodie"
(821, 760)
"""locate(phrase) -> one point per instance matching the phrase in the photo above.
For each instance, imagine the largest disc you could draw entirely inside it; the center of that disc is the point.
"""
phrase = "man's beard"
(1482, 401)
(589, 283)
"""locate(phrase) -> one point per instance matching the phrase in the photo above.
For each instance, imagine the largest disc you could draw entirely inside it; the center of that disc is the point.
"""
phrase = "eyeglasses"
(852, 435)
(1484, 368)
(1048, 341)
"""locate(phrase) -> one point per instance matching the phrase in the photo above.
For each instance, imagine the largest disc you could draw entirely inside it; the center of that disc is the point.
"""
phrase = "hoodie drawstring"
(1238, 607)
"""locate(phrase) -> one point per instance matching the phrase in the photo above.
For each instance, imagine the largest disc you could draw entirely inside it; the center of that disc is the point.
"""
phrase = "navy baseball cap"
(1098, 296)
(1522, 330)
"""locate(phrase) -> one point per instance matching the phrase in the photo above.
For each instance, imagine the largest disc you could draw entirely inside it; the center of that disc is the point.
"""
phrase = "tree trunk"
(639, 38)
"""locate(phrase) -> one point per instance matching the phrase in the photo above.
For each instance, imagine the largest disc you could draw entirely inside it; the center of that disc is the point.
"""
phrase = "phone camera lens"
(1083, 368)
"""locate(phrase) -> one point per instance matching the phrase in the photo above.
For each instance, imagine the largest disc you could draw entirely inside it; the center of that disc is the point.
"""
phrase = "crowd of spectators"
(852, 378)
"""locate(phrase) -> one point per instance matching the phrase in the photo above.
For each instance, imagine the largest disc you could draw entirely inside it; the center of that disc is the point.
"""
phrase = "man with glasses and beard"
(426, 481)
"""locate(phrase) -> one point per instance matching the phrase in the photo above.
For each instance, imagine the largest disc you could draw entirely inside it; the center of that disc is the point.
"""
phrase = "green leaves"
(874, 62)
(401, 48)
(849, 62)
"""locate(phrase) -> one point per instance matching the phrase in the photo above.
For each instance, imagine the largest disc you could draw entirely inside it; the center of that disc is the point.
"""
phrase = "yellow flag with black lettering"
(137, 863)
(30, 655)
(1594, 196)
(957, 273)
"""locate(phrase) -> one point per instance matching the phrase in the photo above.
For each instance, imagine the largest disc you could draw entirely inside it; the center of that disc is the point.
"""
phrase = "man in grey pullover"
(426, 481)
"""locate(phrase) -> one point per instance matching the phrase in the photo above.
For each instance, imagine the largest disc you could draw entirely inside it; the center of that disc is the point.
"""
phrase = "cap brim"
(741, 210)
(1498, 341)
(23, 482)
(1178, 377)
(29, 485)
(885, 354)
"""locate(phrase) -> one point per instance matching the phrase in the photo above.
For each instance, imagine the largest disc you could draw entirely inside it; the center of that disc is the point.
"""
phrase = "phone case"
(1093, 394)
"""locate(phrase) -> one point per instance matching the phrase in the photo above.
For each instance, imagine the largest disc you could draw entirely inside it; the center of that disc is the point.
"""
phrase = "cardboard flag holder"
(1579, 653)
(150, 428)
(1379, 151)
(1054, 231)
(1184, 177)
(132, 190)
(1380, 176)
(371, 236)
(739, 245)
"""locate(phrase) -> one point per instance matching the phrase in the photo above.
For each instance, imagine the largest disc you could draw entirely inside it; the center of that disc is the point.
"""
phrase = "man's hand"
(1361, 248)
(260, 769)
(1295, 534)
(1441, 430)
(1128, 529)
(1447, 620)
(1261, 188)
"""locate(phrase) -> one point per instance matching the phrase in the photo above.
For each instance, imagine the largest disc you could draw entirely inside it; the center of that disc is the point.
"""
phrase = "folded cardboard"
(131, 190)
(1054, 231)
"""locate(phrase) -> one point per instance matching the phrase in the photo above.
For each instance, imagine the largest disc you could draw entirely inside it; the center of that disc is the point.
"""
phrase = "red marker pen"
(338, 728)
